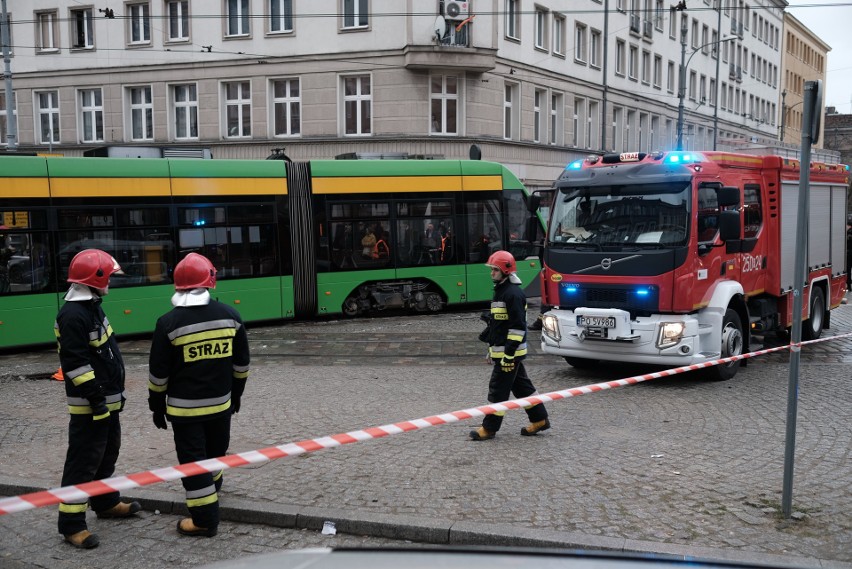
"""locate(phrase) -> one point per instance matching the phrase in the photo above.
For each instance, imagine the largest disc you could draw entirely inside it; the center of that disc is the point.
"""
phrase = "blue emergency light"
(576, 165)
(683, 158)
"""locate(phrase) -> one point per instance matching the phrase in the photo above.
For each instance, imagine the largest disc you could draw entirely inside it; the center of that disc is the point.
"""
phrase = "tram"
(290, 240)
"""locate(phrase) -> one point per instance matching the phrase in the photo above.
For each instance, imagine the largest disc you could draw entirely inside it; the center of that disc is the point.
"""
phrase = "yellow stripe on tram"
(96, 187)
(397, 184)
(25, 187)
(228, 186)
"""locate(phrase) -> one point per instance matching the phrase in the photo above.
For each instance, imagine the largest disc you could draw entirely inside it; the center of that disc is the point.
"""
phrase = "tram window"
(138, 216)
(484, 229)
(517, 215)
(25, 261)
(199, 216)
(79, 218)
(360, 210)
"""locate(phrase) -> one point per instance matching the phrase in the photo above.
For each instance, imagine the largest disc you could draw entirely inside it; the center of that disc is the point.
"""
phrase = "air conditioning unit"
(457, 10)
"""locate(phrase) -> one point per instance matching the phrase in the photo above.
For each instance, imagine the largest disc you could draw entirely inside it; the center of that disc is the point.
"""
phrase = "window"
(286, 107)
(280, 16)
(692, 85)
(633, 62)
(708, 212)
(47, 103)
(513, 19)
(705, 39)
(672, 23)
(355, 14)
(238, 18)
(659, 15)
(670, 77)
(540, 28)
(592, 125)
(539, 99)
(580, 42)
(702, 89)
(714, 47)
(3, 125)
(595, 49)
(712, 95)
(444, 99)
(556, 118)
(619, 57)
(91, 115)
(185, 99)
(646, 66)
(139, 20)
(357, 105)
(658, 71)
(694, 34)
(511, 111)
(558, 35)
(579, 121)
(141, 113)
(27, 260)
(47, 34)
(178, 15)
(82, 31)
(617, 128)
(237, 109)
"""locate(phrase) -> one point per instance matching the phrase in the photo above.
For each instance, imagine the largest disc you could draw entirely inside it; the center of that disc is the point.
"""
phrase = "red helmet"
(195, 271)
(92, 267)
(502, 260)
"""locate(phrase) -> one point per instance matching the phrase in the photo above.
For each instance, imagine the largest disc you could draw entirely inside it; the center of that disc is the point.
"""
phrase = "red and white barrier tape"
(147, 478)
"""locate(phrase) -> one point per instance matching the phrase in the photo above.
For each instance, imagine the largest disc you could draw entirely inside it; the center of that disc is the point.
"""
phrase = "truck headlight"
(670, 334)
(550, 327)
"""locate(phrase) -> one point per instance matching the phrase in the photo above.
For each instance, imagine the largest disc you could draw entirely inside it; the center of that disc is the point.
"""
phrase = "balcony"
(452, 51)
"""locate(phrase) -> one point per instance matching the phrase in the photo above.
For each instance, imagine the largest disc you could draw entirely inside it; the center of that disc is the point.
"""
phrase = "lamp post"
(681, 94)
(784, 109)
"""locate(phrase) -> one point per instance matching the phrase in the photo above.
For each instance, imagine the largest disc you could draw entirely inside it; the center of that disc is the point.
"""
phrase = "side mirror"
(534, 202)
(729, 225)
(728, 196)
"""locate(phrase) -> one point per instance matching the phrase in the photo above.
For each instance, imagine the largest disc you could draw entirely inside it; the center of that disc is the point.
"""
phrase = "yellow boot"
(187, 527)
(120, 510)
(481, 434)
(83, 539)
(535, 428)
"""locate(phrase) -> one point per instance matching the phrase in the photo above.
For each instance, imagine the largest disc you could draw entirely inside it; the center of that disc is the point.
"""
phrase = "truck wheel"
(581, 363)
(812, 327)
(732, 345)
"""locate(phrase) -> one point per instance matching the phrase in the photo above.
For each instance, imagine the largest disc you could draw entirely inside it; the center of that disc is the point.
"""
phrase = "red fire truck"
(679, 258)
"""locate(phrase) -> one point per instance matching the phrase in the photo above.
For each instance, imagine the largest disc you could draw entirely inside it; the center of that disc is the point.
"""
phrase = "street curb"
(437, 531)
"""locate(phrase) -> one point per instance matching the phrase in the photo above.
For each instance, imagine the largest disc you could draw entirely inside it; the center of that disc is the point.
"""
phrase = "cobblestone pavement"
(666, 465)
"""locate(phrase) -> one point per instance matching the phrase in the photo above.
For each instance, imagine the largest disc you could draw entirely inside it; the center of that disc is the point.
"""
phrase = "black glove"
(157, 405)
(235, 404)
(99, 409)
(160, 421)
(483, 336)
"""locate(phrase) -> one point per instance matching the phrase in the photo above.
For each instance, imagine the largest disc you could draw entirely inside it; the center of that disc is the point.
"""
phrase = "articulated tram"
(290, 240)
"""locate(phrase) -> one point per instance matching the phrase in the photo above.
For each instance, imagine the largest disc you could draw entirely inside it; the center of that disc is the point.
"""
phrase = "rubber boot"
(83, 539)
(120, 510)
(535, 428)
(187, 527)
(481, 434)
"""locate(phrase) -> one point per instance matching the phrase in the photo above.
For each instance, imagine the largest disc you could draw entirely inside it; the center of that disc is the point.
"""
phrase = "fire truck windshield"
(621, 216)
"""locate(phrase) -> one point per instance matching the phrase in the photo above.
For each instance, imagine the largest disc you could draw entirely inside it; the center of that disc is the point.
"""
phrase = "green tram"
(290, 240)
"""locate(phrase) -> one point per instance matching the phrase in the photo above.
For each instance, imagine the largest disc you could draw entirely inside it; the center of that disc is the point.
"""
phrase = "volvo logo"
(606, 264)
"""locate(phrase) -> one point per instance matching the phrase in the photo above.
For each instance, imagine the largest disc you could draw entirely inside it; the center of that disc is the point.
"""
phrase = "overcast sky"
(831, 21)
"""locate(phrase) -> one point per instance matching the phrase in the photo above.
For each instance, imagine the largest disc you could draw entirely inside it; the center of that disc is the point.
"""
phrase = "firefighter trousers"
(516, 382)
(93, 448)
(199, 441)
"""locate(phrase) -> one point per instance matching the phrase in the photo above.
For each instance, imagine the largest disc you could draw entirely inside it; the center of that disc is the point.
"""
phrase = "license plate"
(596, 321)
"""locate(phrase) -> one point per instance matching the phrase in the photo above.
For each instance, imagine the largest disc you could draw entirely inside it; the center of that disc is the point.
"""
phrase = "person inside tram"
(368, 243)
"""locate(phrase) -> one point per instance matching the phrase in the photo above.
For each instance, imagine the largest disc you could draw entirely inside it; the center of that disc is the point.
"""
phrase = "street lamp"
(684, 63)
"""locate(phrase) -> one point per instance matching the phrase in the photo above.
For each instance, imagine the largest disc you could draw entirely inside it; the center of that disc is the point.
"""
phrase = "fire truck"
(679, 258)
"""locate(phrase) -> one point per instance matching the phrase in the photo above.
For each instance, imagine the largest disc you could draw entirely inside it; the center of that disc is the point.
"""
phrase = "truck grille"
(639, 300)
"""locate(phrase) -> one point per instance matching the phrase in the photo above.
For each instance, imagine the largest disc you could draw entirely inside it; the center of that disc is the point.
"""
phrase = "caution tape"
(86, 490)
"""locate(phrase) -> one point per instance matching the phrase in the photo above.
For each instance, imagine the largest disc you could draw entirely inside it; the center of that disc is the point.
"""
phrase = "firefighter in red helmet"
(506, 336)
(94, 385)
(199, 363)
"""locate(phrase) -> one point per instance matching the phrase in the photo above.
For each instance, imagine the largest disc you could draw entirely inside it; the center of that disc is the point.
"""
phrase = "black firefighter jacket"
(90, 359)
(199, 355)
(507, 330)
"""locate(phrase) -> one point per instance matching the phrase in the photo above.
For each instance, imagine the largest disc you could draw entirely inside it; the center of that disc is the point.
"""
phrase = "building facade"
(533, 84)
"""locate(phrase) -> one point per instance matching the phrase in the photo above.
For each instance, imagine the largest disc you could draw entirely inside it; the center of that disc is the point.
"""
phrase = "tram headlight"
(670, 334)
(550, 327)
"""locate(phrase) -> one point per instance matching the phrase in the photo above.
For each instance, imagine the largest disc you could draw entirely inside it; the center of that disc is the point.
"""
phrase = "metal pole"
(783, 113)
(681, 92)
(718, 57)
(812, 106)
(11, 119)
(605, 69)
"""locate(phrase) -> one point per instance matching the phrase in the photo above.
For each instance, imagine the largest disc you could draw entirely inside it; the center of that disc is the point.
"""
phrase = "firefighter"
(94, 385)
(506, 336)
(199, 363)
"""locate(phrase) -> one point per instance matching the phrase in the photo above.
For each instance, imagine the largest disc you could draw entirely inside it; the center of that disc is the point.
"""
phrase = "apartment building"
(535, 84)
